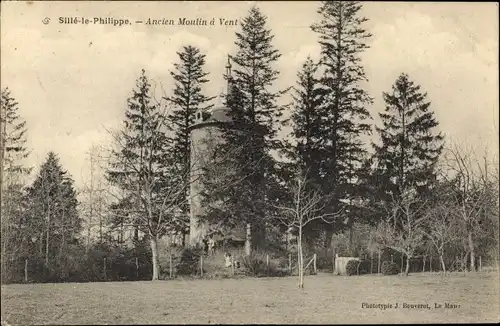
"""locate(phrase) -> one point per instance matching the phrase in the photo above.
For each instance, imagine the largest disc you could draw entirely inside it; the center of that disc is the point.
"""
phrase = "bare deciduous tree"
(440, 228)
(472, 189)
(158, 195)
(93, 196)
(407, 236)
(305, 206)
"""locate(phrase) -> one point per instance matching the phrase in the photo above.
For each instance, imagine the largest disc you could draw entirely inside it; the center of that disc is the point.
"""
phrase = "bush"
(389, 268)
(324, 264)
(189, 261)
(357, 267)
(255, 265)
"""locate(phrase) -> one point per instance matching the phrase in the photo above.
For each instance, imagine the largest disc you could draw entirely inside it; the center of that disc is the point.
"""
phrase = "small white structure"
(228, 260)
(211, 246)
(341, 263)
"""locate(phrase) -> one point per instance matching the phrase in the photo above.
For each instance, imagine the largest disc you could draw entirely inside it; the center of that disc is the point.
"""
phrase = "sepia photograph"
(249, 162)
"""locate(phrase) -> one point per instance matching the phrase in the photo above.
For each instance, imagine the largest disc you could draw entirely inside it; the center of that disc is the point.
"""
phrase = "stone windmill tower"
(205, 136)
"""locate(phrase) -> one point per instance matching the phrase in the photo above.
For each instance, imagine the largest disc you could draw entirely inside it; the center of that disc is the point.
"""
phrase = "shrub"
(189, 261)
(255, 265)
(389, 268)
(357, 267)
(324, 264)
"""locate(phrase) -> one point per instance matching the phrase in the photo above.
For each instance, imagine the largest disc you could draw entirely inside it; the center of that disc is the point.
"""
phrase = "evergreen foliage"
(255, 123)
(13, 139)
(409, 147)
(344, 102)
(142, 161)
(13, 152)
(52, 221)
(188, 99)
(142, 167)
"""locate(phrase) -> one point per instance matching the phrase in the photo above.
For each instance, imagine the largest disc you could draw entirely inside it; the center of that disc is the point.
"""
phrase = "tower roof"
(215, 116)
(220, 114)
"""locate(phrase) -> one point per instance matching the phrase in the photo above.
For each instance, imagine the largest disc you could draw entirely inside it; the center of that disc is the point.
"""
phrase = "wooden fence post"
(378, 269)
(430, 263)
(267, 264)
(171, 270)
(423, 265)
(314, 263)
(371, 262)
(201, 265)
(105, 276)
(392, 258)
(334, 254)
(402, 256)
(232, 265)
(26, 270)
(137, 268)
(480, 264)
(290, 263)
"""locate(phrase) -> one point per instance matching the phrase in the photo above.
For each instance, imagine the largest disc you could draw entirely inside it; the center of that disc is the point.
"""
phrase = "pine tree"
(13, 152)
(409, 148)
(307, 153)
(142, 166)
(13, 140)
(53, 220)
(307, 121)
(251, 133)
(256, 122)
(343, 40)
(188, 99)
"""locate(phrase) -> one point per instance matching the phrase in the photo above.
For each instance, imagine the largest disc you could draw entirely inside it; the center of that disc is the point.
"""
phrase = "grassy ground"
(325, 299)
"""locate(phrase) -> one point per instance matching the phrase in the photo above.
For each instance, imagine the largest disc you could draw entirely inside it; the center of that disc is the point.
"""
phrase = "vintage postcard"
(245, 162)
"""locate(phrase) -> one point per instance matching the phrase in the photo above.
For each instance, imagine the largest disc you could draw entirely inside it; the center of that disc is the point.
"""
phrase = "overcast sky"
(72, 81)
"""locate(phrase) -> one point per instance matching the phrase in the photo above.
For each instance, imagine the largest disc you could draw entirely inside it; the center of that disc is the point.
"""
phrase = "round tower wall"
(204, 141)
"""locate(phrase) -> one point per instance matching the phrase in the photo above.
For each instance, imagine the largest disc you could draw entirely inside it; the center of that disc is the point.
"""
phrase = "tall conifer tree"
(307, 121)
(142, 166)
(344, 104)
(409, 146)
(12, 139)
(255, 123)
(188, 98)
(307, 152)
(13, 152)
(52, 217)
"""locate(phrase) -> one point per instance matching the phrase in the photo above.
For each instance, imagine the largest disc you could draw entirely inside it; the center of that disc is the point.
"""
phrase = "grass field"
(325, 299)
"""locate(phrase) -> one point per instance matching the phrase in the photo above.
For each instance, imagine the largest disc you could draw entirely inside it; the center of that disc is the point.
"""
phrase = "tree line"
(410, 187)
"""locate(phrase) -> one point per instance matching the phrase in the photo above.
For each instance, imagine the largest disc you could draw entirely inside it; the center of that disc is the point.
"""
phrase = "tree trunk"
(136, 234)
(300, 258)
(47, 247)
(443, 265)
(472, 252)
(258, 236)
(407, 269)
(100, 229)
(154, 251)
(328, 238)
(100, 217)
(350, 237)
(248, 241)
(120, 235)
(308, 241)
(88, 239)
